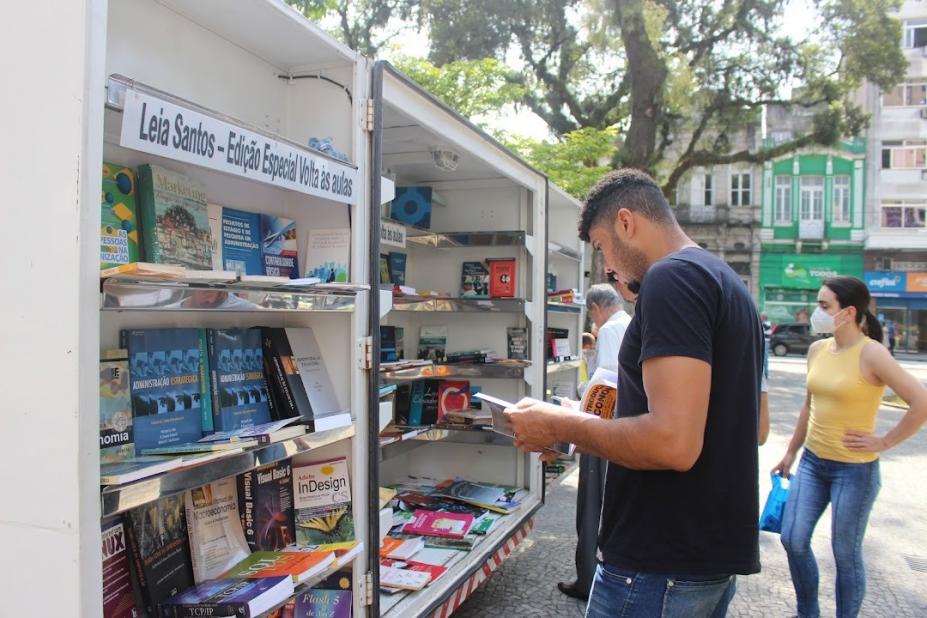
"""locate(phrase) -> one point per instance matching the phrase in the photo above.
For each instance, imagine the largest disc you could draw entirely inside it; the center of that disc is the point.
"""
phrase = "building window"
(740, 189)
(915, 33)
(898, 214)
(904, 155)
(783, 208)
(709, 190)
(907, 94)
(811, 205)
(841, 199)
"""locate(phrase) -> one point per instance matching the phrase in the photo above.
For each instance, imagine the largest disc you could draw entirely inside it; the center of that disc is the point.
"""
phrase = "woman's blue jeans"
(851, 490)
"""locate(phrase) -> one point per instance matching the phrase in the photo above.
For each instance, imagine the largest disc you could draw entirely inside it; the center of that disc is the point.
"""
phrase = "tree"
(677, 75)
(362, 25)
(575, 162)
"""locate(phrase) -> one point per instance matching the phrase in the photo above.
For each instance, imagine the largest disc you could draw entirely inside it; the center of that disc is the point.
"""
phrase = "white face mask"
(823, 322)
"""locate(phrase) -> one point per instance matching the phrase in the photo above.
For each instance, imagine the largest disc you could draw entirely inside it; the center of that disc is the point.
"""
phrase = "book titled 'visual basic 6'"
(265, 504)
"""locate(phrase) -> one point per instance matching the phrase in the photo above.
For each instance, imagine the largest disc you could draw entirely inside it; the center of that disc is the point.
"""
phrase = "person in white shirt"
(605, 310)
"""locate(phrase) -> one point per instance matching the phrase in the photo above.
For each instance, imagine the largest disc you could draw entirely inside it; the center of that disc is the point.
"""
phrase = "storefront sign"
(392, 234)
(806, 271)
(917, 282)
(159, 127)
(885, 282)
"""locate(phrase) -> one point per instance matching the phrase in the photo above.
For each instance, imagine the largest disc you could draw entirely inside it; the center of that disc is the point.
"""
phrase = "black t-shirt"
(703, 521)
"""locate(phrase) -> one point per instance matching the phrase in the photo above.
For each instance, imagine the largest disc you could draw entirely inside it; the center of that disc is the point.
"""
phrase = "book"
(502, 274)
(257, 435)
(243, 598)
(601, 395)
(474, 280)
(412, 205)
(240, 241)
(453, 396)
(385, 277)
(467, 491)
(315, 603)
(342, 580)
(144, 271)
(397, 267)
(464, 544)
(560, 348)
(388, 353)
(434, 570)
(345, 551)
(551, 281)
(315, 379)
(175, 220)
(136, 468)
(322, 497)
(437, 523)
(517, 343)
(116, 441)
(166, 386)
(328, 254)
(265, 505)
(279, 251)
(423, 405)
(550, 335)
(193, 448)
(502, 425)
(217, 541)
(403, 579)
(119, 233)
(299, 565)
(401, 549)
(386, 494)
(160, 552)
(239, 392)
(118, 595)
(432, 343)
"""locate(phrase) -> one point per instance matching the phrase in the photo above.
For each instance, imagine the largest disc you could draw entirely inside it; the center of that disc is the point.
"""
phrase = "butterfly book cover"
(322, 499)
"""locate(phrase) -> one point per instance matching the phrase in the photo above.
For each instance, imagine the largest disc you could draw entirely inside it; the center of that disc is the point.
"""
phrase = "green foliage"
(471, 87)
(575, 162)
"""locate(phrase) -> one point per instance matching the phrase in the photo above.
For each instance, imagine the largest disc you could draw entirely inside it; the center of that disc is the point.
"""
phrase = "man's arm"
(670, 437)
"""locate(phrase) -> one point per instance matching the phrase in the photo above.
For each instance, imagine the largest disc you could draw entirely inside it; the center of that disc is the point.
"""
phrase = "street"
(895, 547)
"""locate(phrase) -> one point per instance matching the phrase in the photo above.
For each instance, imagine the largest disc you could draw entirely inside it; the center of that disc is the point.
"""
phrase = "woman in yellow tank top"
(840, 465)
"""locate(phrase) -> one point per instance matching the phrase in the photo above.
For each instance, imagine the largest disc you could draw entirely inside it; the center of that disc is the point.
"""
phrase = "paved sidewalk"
(895, 546)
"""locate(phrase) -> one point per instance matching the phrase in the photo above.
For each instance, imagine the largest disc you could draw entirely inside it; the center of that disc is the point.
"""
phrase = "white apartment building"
(896, 238)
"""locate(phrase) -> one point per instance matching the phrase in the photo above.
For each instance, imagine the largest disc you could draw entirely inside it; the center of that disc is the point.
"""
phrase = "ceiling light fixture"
(445, 159)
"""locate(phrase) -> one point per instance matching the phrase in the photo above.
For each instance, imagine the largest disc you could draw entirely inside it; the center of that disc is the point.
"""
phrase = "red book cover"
(118, 598)
(438, 523)
(453, 396)
(502, 278)
(411, 565)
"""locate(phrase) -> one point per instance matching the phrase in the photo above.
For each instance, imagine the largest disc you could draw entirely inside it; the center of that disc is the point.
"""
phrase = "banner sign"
(881, 282)
(392, 234)
(159, 127)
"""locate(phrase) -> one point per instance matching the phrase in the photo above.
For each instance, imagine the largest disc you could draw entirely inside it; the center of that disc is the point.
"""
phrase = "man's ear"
(624, 223)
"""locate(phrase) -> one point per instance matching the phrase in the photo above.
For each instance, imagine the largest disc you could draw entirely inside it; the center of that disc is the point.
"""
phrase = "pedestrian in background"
(847, 375)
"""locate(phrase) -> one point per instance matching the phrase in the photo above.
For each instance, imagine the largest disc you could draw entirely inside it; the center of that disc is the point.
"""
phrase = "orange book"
(300, 565)
(401, 549)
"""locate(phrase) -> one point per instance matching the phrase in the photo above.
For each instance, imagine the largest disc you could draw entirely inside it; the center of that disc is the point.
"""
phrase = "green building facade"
(813, 226)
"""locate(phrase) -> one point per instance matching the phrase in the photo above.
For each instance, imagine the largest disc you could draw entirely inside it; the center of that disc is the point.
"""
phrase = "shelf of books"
(462, 251)
(233, 316)
(565, 302)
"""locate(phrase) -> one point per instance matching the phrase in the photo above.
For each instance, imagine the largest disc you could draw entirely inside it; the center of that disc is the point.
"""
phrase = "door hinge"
(368, 588)
(371, 107)
(365, 352)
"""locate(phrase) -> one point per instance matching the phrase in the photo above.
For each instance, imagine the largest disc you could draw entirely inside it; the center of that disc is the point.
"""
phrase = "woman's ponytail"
(873, 326)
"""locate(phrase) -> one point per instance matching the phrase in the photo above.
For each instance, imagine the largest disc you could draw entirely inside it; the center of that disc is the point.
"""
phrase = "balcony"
(721, 214)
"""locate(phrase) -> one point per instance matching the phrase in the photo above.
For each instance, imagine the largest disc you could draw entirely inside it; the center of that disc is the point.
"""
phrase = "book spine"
(245, 482)
(146, 216)
(196, 610)
(209, 395)
(138, 566)
(273, 367)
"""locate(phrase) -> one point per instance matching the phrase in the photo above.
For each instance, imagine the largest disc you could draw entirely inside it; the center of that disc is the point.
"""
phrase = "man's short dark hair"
(624, 188)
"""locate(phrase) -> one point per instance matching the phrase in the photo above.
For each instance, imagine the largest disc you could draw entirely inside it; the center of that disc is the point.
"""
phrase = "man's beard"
(631, 262)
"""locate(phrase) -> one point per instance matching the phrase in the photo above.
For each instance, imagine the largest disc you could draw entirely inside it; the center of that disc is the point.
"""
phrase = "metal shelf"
(466, 569)
(565, 307)
(447, 240)
(494, 371)
(563, 366)
(129, 294)
(435, 433)
(118, 498)
(472, 305)
(564, 252)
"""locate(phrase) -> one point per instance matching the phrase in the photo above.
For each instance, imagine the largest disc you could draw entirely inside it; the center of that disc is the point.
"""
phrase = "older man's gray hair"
(603, 295)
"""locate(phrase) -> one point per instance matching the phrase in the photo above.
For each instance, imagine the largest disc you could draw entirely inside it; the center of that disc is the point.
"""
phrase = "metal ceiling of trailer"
(408, 153)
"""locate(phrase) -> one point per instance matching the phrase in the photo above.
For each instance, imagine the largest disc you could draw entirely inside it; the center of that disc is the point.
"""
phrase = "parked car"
(792, 338)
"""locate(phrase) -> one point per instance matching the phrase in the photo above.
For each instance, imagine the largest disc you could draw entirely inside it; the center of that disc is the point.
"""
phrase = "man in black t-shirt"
(680, 510)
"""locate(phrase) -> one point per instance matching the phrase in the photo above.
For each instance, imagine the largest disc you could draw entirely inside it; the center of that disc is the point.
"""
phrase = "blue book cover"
(415, 405)
(278, 247)
(239, 391)
(412, 205)
(241, 242)
(229, 597)
(165, 382)
(397, 267)
(315, 603)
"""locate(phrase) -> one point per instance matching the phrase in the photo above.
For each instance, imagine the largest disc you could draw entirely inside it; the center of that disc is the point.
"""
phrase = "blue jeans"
(851, 489)
(618, 592)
